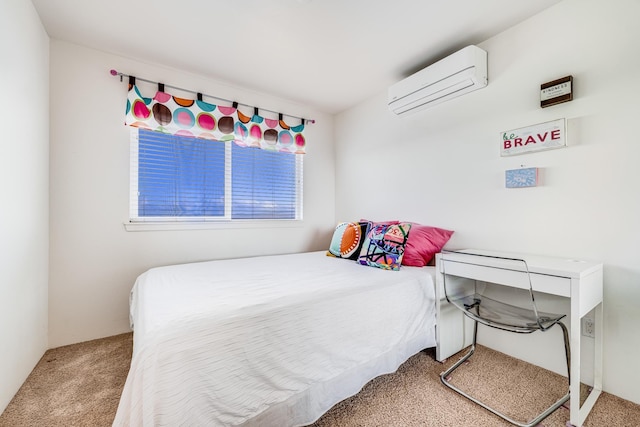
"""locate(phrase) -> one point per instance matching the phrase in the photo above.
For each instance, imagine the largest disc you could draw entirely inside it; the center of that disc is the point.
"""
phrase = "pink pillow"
(424, 242)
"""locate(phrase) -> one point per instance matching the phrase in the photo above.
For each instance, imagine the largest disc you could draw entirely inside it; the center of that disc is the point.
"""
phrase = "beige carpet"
(79, 385)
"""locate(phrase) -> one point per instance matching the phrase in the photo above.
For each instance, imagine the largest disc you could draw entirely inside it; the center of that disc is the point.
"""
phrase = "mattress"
(268, 341)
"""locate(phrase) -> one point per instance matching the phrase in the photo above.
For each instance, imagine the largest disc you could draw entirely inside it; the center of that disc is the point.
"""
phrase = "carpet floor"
(80, 385)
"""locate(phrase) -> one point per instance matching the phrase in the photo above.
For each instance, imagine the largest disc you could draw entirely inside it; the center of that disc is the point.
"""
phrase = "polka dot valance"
(196, 118)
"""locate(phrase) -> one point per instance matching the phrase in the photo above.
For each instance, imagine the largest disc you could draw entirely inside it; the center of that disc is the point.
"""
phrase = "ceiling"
(330, 54)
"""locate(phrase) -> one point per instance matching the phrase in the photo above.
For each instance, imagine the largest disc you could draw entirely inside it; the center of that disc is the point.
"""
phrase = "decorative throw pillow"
(393, 221)
(384, 245)
(347, 240)
(424, 242)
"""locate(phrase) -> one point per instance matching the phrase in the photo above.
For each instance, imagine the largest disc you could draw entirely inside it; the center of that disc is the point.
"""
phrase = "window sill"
(211, 225)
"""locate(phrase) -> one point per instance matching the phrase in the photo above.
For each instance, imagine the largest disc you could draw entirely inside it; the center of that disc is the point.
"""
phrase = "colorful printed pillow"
(384, 245)
(424, 242)
(347, 240)
(393, 221)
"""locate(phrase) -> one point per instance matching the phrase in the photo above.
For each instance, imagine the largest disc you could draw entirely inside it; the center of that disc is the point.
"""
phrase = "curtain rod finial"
(113, 72)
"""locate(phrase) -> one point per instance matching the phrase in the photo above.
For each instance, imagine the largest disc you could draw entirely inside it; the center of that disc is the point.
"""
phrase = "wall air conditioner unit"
(455, 75)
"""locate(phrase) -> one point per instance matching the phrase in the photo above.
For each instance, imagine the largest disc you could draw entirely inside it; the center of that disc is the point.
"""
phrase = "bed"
(268, 341)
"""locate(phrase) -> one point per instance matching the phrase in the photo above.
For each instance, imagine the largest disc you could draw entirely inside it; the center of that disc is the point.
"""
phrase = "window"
(175, 178)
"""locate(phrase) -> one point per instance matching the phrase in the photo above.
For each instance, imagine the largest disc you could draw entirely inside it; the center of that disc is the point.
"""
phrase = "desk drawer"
(540, 282)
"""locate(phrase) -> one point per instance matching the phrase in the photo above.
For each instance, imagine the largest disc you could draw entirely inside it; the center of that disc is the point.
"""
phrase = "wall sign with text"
(543, 136)
(556, 92)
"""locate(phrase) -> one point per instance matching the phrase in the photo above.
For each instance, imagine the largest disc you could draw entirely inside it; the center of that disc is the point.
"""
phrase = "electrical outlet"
(588, 327)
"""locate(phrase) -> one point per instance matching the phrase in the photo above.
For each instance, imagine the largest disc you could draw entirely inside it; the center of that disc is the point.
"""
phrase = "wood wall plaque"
(556, 92)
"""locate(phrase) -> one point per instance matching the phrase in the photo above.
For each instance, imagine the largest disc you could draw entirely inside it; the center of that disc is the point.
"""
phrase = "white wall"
(24, 194)
(94, 261)
(442, 166)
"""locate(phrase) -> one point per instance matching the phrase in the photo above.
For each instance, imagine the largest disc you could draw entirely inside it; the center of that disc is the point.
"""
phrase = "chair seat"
(501, 315)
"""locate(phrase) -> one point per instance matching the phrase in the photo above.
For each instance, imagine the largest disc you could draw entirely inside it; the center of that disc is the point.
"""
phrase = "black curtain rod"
(200, 95)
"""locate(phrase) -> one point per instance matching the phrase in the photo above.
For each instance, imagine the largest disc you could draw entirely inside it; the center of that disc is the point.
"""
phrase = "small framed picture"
(520, 178)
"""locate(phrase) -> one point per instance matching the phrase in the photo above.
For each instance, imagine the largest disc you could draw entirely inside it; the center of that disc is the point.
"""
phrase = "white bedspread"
(268, 341)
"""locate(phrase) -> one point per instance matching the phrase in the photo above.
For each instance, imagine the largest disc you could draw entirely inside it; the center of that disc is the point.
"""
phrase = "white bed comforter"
(268, 341)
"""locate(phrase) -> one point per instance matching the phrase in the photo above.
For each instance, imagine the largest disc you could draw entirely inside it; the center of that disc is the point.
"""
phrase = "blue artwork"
(519, 178)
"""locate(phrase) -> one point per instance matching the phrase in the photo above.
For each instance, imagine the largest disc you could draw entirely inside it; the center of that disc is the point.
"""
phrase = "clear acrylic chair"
(501, 315)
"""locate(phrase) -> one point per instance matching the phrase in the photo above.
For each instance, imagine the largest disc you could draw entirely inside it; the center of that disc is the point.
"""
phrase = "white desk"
(578, 280)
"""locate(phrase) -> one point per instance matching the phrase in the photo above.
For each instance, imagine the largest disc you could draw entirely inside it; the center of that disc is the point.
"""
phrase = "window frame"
(137, 223)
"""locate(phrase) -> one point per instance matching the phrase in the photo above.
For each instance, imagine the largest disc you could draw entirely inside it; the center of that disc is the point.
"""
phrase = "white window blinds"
(175, 178)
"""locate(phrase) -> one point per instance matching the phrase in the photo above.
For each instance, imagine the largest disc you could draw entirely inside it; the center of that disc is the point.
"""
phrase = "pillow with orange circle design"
(347, 239)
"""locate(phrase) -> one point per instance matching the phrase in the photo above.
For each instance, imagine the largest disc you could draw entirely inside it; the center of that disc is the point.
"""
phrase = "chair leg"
(567, 348)
(536, 420)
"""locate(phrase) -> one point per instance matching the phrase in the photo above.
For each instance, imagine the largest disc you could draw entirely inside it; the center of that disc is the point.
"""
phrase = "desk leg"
(599, 348)
(577, 414)
(574, 388)
(597, 368)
